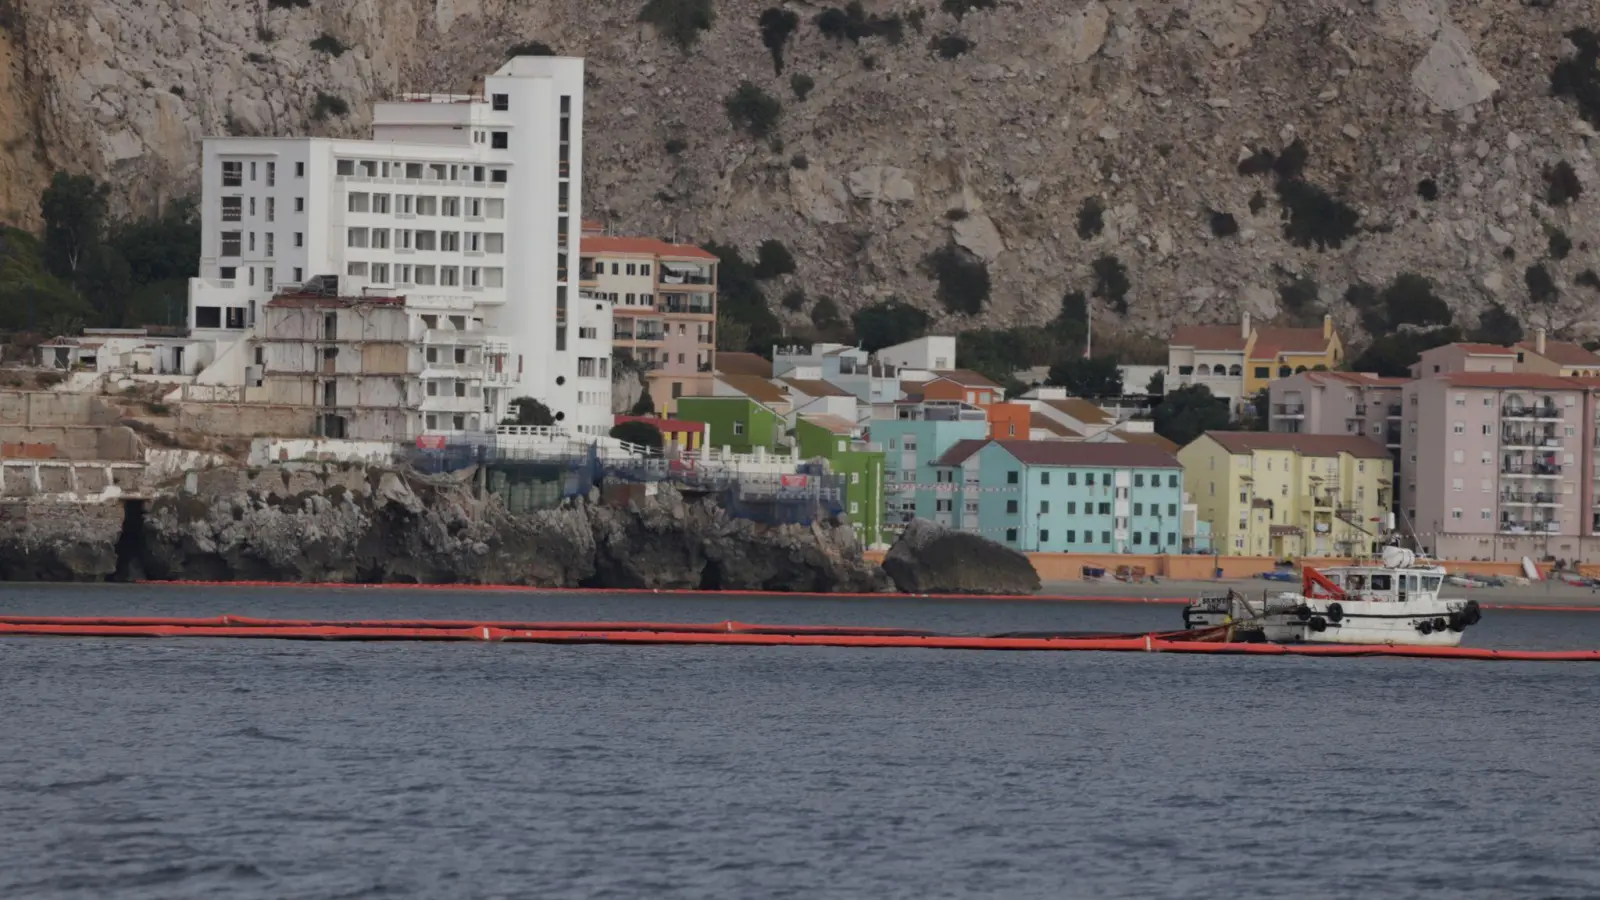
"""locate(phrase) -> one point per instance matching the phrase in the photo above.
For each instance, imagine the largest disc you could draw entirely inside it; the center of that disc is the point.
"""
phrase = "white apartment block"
(466, 207)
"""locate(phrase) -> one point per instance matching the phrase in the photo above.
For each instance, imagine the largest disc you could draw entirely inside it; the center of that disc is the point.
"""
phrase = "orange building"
(1009, 421)
(964, 385)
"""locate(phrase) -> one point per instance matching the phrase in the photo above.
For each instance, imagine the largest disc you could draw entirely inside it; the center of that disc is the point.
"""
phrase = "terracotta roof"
(832, 423)
(964, 377)
(1482, 349)
(1067, 453)
(1273, 340)
(643, 247)
(813, 387)
(1524, 380)
(593, 225)
(667, 426)
(733, 363)
(1080, 409)
(1054, 427)
(1209, 337)
(1148, 438)
(1564, 353)
(960, 452)
(756, 388)
(1304, 444)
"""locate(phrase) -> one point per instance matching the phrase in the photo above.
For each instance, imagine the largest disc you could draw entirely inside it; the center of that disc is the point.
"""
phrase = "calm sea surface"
(264, 769)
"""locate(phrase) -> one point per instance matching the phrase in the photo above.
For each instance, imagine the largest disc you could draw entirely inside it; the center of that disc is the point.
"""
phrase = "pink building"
(1500, 465)
(1357, 403)
(1452, 358)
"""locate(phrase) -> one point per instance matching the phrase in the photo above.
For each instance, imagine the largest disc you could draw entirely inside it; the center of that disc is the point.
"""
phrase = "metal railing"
(1533, 469)
(1530, 412)
(1289, 409)
(1527, 498)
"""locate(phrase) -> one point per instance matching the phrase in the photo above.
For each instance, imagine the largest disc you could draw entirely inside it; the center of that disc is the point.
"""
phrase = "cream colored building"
(1287, 495)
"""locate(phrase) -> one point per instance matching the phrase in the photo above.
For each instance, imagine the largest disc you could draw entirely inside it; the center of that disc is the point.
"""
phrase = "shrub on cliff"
(752, 110)
(773, 259)
(1561, 184)
(1091, 218)
(963, 279)
(679, 21)
(1496, 326)
(1111, 283)
(1577, 77)
(744, 321)
(1541, 285)
(888, 323)
(777, 25)
(329, 105)
(960, 8)
(528, 411)
(327, 43)
(801, 84)
(1313, 217)
(288, 4)
(852, 24)
(1560, 243)
(530, 48)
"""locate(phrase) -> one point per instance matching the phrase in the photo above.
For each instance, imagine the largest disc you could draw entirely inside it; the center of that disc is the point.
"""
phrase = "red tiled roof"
(1209, 337)
(667, 426)
(1524, 380)
(739, 363)
(1304, 444)
(1360, 379)
(756, 388)
(637, 246)
(964, 377)
(1564, 353)
(1482, 349)
(1273, 340)
(833, 423)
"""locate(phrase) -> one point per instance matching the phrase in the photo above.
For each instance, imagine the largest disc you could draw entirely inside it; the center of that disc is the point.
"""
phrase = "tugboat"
(1394, 603)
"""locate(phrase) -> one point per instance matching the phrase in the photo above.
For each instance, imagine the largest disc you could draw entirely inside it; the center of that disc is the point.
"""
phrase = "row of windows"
(233, 208)
(443, 276)
(229, 273)
(622, 268)
(423, 240)
(369, 168)
(1236, 370)
(234, 243)
(1013, 477)
(425, 205)
(1105, 537)
(233, 172)
(1090, 509)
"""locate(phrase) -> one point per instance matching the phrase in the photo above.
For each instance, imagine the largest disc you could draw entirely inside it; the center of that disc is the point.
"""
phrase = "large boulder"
(932, 559)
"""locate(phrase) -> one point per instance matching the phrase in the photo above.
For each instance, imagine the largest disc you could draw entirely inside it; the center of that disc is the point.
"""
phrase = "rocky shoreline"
(331, 523)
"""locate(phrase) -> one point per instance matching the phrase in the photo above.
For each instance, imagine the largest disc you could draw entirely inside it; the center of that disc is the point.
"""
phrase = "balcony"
(1528, 498)
(1530, 526)
(685, 305)
(454, 337)
(1361, 410)
(1289, 409)
(1530, 412)
(1530, 470)
(1391, 437)
(1393, 411)
(452, 404)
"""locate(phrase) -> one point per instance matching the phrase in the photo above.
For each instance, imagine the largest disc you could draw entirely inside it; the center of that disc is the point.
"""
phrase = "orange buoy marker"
(722, 633)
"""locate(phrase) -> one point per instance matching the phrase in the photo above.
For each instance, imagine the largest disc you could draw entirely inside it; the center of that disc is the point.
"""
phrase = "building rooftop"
(1272, 340)
(1529, 381)
(756, 388)
(1209, 337)
(1303, 444)
(1364, 379)
(965, 378)
(739, 363)
(1067, 453)
(637, 246)
(667, 426)
(1054, 427)
(1564, 353)
(814, 387)
(834, 424)
(322, 301)
(1148, 438)
(1483, 349)
(1081, 410)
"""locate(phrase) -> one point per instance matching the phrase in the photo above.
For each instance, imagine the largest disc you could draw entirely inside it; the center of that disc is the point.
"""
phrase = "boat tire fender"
(1440, 624)
(1425, 626)
(1318, 623)
(1471, 614)
(1302, 612)
(1335, 612)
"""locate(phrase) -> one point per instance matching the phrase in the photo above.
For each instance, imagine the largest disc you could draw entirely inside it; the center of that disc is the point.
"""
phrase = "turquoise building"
(920, 433)
(1060, 496)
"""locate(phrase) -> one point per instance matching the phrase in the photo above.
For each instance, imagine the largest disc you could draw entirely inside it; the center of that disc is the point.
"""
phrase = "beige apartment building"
(664, 300)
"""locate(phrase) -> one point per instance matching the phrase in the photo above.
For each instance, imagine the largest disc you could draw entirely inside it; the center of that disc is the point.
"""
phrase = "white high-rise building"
(459, 204)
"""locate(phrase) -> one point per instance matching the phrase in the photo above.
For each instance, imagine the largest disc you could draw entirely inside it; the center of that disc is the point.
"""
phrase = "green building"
(737, 422)
(832, 438)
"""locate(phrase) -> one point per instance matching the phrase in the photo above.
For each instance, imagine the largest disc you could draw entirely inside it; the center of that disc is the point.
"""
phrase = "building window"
(299, 239)
(299, 204)
(1011, 477)
(232, 209)
(1072, 508)
(738, 428)
(1455, 514)
(229, 273)
(1138, 509)
(1044, 535)
(1044, 477)
(1011, 506)
(1105, 509)
(1263, 372)
(231, 242)
(499, 140)
(1011, 535)
(232, 174)
(1138, 479)
(498, 176)
(1138, 537)
(1044, 507)
(208, 317)
(1072, 537)
(1088, 479)
(1105, 537)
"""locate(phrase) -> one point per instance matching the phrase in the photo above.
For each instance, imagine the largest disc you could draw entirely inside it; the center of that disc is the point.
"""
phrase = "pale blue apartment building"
(1059, 496)
(919, 434)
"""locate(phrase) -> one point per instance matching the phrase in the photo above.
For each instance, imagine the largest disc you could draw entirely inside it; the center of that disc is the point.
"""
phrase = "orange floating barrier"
(722, 633)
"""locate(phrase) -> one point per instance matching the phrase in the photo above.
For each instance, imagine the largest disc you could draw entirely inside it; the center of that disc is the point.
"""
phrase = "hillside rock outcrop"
(1433, 122)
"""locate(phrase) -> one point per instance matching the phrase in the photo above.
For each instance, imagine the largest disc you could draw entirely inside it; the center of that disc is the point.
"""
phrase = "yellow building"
(1237, 362)
(1286, 495)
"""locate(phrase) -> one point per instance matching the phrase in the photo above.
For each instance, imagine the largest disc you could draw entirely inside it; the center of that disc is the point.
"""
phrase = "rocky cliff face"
(326, 523)
(1432, 121)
